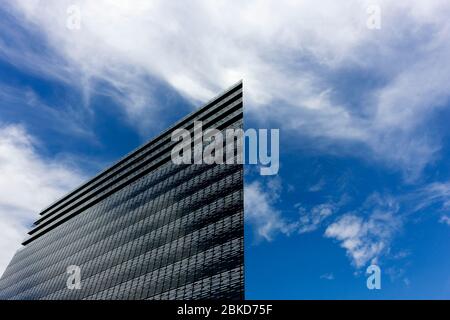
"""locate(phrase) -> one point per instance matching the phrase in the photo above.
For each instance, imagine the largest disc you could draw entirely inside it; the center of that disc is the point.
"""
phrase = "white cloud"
(311, 220)
(287, 52)
(260, 211)
(367, 238)
(445, 219)
(365, 234)
(28, 183)
(261, 201)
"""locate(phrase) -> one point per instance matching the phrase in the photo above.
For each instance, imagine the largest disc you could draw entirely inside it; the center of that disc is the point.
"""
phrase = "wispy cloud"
(23, 104)
(367, 237)
(445, 219)
(435, 193)
(366, 233)
(311, 219)
(260, 210)
(317, 186)
(302, 47)
(327, 276)
(28, 182)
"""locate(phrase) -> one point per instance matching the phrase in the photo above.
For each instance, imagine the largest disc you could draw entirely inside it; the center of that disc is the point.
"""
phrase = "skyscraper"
(144, 228)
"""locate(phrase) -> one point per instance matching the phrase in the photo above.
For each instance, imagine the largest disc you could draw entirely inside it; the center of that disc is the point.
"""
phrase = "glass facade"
(144, 228)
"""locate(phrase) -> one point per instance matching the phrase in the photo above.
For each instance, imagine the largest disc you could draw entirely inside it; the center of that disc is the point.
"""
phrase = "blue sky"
(362, 112)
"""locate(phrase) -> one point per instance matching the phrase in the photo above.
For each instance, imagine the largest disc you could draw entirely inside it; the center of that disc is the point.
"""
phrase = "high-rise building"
(145, 228)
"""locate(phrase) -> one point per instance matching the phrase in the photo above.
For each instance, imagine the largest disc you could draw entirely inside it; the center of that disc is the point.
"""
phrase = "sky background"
(363, 115)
